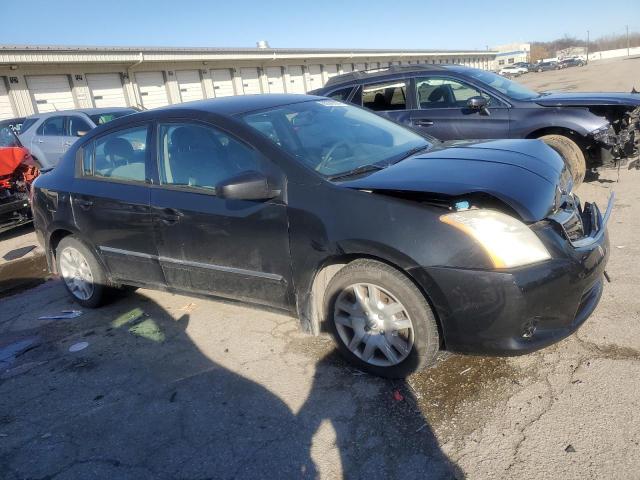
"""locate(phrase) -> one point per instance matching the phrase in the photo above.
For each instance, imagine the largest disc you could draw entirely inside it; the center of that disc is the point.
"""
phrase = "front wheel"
(380, 321)
(571, 153)
(83, 276)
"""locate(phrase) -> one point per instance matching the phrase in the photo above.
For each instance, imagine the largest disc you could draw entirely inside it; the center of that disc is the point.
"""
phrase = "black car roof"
(225, 106)
(240, 103)
(394, 70)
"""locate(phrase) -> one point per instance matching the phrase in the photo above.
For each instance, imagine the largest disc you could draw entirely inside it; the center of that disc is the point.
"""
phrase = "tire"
(82, 274)
(411, 339)
(571, 153)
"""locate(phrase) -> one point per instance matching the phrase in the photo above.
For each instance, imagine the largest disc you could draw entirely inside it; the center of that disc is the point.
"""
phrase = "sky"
(407, 24)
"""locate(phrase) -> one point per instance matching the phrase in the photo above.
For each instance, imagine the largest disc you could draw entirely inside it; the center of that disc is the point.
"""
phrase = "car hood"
(523, 174)
(587, 99)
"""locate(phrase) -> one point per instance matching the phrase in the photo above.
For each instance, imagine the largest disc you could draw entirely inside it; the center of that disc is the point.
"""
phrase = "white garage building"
(36, 79)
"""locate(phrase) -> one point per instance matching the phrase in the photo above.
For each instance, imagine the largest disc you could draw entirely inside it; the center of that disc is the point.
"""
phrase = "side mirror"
(250, 185)
(477, 103)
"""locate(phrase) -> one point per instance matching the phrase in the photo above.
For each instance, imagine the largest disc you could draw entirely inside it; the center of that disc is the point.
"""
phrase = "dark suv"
(453, 102)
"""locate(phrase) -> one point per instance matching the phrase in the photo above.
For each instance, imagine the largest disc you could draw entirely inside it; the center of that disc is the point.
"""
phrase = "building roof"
(515, 52)
(97, 48)
(84, 54)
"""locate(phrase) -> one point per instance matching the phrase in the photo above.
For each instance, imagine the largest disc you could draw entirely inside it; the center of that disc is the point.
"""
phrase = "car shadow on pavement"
(143, 401)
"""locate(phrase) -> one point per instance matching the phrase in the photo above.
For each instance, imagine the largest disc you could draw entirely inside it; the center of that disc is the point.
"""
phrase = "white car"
(513, 70)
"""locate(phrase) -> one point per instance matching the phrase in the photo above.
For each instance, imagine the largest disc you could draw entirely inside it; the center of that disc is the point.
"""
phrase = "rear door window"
(385, 96)
(52, 127)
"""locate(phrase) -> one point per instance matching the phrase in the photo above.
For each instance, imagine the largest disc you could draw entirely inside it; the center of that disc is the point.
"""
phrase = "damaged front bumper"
(515, 311)
(620, 141)
(14, 211)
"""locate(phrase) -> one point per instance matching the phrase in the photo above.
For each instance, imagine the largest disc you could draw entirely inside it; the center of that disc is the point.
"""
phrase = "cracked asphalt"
(178, 387)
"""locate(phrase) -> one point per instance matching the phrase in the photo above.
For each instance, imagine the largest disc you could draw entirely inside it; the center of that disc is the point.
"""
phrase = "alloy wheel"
(373, 324)
(76, 273)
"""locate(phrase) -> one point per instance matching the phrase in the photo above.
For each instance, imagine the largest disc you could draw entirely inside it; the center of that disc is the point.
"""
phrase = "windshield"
(106, 117)
(334, 138)
(504, 85)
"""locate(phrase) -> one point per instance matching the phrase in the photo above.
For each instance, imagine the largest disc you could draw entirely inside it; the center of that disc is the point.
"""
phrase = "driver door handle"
(423, 123)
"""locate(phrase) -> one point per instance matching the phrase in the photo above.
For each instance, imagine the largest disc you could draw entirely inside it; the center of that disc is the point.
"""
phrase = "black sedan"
(453, 102)
(355, 224)
(544, 66)
(571, 62)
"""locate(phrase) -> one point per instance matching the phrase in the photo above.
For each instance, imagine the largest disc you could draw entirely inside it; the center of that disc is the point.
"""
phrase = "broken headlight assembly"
(605, 134)
(508, 242)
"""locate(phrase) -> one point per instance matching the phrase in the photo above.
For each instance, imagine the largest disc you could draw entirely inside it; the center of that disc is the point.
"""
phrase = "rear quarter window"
(341, 95)
(27, 124)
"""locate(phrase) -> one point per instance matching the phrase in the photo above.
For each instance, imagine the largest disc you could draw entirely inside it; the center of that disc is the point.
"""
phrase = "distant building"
(37, 79)
(511, 53)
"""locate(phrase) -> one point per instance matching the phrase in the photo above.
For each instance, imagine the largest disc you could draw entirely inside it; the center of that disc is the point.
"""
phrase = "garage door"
(315, 77)
(222, 82)
(250, 81)
(274, 79)
(347, 67)
(296, 79)
(373, 65)
(106, 89)
(51, 93)
(190, 85)
(5, 105)
(359, 67)
(153, 92)
(332, 70)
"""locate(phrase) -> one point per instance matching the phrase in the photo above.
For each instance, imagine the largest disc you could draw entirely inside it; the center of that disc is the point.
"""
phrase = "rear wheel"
(571, 153)
(380, 321)
(83, 276)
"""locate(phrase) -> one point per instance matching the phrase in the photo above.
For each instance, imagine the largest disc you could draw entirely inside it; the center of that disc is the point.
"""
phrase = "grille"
(569, 216)
(573, 227)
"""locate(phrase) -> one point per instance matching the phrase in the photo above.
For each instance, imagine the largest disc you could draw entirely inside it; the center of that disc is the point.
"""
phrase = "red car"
(17, 171)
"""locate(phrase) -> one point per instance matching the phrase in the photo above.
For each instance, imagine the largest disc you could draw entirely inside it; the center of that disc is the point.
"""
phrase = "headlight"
(508, 242)
(605, 134)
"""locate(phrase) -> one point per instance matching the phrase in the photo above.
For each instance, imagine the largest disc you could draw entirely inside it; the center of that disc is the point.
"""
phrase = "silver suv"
(49, 135)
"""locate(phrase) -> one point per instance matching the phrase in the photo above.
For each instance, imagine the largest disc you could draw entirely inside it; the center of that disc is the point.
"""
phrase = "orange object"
(16, 165)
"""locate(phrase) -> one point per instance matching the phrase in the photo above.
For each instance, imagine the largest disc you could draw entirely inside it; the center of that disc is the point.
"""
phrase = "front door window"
(437, 92)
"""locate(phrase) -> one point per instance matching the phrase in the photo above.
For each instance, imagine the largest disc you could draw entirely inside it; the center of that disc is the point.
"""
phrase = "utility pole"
(587, 46)
(627, 40)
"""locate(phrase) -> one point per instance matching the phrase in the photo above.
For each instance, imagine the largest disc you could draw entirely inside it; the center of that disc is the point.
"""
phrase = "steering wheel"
(328, 157)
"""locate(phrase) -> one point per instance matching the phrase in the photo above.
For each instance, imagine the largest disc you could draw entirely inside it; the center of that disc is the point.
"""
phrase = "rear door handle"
(83, 204)
(423, 123)
(40, 141)
(170, 216)
(68, 143)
